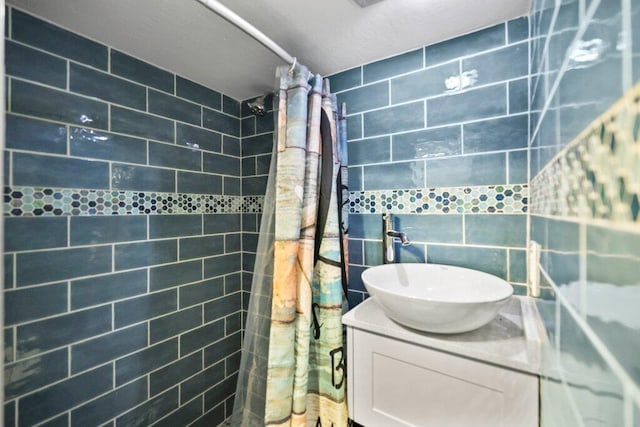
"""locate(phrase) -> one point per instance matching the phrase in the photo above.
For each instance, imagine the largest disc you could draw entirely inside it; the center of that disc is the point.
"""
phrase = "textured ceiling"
(328, 36)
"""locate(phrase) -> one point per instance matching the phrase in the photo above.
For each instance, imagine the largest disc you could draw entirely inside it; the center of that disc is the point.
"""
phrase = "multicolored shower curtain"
(306, 377)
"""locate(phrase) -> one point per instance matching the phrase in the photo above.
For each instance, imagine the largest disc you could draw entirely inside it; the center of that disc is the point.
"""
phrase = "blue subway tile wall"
(590, 253)
(439, 136)
(123, 246)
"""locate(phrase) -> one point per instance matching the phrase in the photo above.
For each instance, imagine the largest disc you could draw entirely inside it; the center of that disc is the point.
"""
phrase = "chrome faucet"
(388, 237)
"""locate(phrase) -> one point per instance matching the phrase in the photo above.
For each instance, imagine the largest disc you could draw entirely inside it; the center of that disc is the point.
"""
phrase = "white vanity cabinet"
(400, 377)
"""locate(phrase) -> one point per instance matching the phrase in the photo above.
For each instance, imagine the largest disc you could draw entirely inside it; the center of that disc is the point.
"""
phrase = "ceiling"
(328, 35)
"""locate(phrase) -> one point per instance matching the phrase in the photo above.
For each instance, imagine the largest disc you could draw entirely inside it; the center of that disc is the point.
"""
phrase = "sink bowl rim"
(508, 288)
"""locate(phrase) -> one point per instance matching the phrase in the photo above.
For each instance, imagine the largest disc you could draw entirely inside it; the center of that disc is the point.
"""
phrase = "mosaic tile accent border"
(511, 199)
(38, 201)
(597, 175)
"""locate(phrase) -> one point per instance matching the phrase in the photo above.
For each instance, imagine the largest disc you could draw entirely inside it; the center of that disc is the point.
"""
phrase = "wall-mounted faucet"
(388, 237)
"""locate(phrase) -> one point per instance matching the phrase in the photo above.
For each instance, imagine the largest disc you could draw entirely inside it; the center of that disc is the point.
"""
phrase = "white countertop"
(511, 340)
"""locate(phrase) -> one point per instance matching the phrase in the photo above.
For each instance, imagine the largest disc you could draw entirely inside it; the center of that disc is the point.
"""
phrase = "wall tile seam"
(424, 68)
(9, 17)
(435, 158)
(457, 245)
(593, 6)
(592, 222)
(440, 96)
(629, 386)
(255, 135)
(112, 104)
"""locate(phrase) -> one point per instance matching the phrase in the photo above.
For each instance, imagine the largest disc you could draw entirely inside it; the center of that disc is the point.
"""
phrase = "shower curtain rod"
(241, 23)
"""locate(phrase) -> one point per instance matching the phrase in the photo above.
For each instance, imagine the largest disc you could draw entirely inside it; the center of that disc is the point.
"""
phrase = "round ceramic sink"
(436, 298)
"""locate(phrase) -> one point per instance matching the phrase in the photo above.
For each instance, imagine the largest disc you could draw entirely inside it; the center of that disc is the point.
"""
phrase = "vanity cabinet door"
(395, 383)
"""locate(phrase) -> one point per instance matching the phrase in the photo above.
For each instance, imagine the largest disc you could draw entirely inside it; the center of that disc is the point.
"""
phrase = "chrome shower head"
(257, 106)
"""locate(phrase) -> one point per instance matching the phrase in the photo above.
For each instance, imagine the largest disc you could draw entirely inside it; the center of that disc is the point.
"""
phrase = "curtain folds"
(293, 363)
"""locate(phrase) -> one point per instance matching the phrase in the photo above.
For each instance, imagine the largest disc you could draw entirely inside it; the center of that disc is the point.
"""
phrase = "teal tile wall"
(409, 127)
(581, 63)
(117, 319)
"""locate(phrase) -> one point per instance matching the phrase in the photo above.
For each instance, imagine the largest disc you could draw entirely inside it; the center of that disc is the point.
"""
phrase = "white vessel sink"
(436, 298)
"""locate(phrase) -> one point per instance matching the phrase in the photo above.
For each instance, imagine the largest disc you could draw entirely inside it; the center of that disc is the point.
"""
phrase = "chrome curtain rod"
(245, 26)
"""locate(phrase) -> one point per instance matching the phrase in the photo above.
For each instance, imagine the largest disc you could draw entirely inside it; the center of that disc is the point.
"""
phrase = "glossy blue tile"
(141, 72)
(356, 253)
(55, 265)
(45, 171)
(472, 105)
(220, 122)
(217, 266)
(394, 176)
(365, 226)
(265, 123)
(518, 96)
(496, 134)
(254, 186)
(232, 186)
(415, 253)
(8, 271)
(40, 101)
(199, 247)
(354, 298)
(35, 135)
(198, 93)
(496, 230)
(518, 29)
(161, 226)
(141, 178)
(145, 361)
(393, 66)
(201, 337)
(489, 260)
(88, 81)
(201, 382)
(110, 405)
(346, 79)
(35, 32)
(24, 233)
(427, 143)
(262, 164)
(198, 293)
(108, 347)
(222, 349)
(230, 106)
(171, 275)
(422, 84)
(555, 234)
(185, 415)
(22, 305)
(30, 64)
(231, 146)
(220, 392)
(199, 183)
(479, 169)
(355, 179)
(31, 374)
(503, 64)
(65, 395)
(370, 150)
(172, 156)
(111, 287)
(248, 126)
(221, 223)
(221, 164)
(394, 119)
(354, 127)
(174, 324)
(133, 255)
(37, 337)
(8, 345)
(366, 97)
(465, 45)
(150, 411)
(232, 283)
(431, 228)
(260, 144)
(108, 146)
(518, 167)
(517, 266)
(222, 307)
(249, 241)
(89, 230)
(174, 108)
(145, 307)
(355, 279)
(195, 137)
(140, 124)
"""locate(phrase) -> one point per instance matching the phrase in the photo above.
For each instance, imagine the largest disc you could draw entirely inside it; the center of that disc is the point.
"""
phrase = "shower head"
(257, 106)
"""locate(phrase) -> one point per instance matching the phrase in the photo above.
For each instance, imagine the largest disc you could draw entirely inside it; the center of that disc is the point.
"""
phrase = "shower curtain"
(293, 367)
